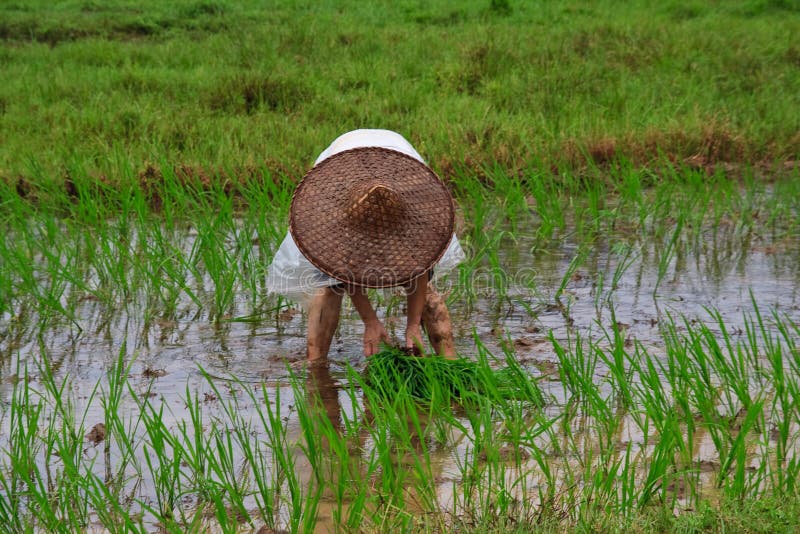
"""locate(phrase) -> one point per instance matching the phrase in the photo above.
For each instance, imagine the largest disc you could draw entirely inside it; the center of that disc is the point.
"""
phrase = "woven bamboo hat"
(372, 217)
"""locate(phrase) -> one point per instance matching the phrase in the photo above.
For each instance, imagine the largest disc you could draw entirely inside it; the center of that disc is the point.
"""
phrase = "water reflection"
(323, 392)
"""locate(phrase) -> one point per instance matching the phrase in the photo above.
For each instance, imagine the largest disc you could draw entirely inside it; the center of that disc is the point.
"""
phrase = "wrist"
(372, 322)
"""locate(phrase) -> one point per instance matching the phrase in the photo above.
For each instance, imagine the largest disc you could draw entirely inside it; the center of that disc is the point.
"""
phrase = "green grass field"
(93, 87)
(148, 154)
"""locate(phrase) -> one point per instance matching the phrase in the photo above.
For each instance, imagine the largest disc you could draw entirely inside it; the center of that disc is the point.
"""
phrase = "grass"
(243, 461)
(148, 160)
(221, 90)
(177, 249)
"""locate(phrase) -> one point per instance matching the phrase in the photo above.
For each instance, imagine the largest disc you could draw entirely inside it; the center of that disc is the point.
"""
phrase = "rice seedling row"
(636, 396)
(675, 431)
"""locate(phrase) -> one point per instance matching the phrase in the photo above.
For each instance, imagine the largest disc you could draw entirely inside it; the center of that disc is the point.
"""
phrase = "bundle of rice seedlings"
(435, 378)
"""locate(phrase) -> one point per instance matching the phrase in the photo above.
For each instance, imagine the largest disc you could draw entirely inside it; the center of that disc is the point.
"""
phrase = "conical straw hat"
(372, 217)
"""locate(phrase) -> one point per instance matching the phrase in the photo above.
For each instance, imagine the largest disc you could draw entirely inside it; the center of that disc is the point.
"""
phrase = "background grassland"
(93, 87)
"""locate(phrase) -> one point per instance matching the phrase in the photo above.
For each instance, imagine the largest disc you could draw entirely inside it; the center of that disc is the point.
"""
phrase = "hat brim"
(384, 253)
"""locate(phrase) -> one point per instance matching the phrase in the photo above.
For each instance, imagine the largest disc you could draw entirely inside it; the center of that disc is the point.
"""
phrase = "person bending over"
(369, 214)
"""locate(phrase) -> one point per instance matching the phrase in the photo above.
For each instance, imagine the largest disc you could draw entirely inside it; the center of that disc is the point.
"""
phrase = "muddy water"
(619, 279)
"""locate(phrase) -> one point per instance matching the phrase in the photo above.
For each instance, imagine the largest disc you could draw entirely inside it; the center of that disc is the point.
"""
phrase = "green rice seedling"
(787, 466)
(668, 254)
(113, 259)
(43, 483)
(781, 207)
(284, 462)
(400, 424)
(627, 476)
(548, 206)
(329, 449)
(603, 475)
(193, 447)
(677, 371)
(22, 482)
(671, 461)
(361, 426)
(265, 478)
(520, 426)
(117, 432)
(699, 362)
(536, 437)
(166, 271)
(313, 427)
(574, 264)
(484, 491)
(195, 443)
(481, 250)
(526, 385)
(661, 463)
(65, 442)
(598, 290)
(702, 347)
(499, 279)
(704, 395)
(212, 249)
(617, 362)
(592, 205)
(461, 379)
(163, 460)
(215, 454)
(38, 264)
(510, 194)
(629, 255)
(737, 452)
(630, 185)
(111, 511)
(783, 384)
(577, 370)
(732, 365)
(250, 270)
(386, 509)
(229, 487)
(411, 438)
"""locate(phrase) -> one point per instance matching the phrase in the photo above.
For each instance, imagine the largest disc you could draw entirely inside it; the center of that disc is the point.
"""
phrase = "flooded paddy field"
(147, 381)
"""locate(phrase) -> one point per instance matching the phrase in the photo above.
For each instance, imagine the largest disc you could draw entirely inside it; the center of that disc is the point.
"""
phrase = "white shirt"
(362, 138)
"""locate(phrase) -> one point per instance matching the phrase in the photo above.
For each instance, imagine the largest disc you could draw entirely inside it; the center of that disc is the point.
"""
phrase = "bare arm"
(374, 332)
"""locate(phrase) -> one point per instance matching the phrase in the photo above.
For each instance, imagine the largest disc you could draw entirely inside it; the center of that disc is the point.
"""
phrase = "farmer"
(369, 214)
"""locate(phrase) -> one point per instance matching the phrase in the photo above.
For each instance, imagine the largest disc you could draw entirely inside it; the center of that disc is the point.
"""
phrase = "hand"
(414, 338)
(374, 334)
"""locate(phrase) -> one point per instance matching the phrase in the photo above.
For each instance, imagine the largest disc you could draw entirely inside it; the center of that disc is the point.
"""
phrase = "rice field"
(627, 318)
(647, 324)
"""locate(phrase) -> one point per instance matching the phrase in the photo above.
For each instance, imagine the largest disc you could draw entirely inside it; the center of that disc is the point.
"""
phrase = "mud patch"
(97, 434)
